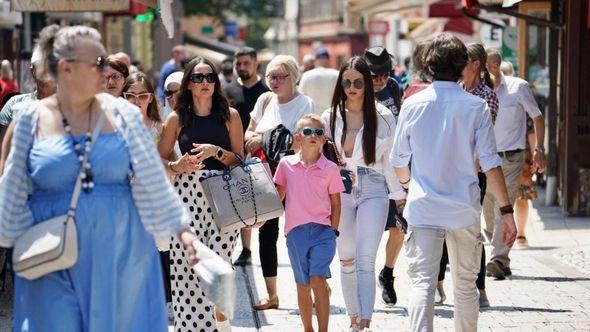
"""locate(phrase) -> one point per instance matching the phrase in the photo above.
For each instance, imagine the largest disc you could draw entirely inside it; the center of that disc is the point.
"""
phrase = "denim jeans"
(363, 216)
(424, 247)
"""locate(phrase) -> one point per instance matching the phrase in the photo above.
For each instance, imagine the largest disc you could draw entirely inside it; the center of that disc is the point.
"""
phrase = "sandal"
(522, 241)
(266, 304)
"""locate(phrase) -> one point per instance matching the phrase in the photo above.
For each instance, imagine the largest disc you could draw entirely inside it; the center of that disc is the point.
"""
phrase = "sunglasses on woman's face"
(99, 63)
(142, 97)
(318, 132)
(199, 78)
(357, 84)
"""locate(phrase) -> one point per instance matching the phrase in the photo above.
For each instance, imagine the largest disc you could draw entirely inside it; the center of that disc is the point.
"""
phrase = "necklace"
(87, 178)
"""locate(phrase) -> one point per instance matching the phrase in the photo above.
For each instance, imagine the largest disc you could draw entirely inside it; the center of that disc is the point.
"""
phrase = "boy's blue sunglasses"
(312, 131)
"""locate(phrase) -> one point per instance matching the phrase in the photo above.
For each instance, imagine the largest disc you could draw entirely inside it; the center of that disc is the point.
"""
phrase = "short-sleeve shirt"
(516, 101)
(7, 112)
(243, 98)
(389, 97)
(308, 190)
(275, 114)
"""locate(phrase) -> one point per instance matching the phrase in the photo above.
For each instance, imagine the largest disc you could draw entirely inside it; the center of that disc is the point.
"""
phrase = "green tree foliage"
(219, 8)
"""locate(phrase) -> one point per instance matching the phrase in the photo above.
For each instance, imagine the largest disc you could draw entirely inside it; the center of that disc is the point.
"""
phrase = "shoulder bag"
(242, 195)
(52, 245)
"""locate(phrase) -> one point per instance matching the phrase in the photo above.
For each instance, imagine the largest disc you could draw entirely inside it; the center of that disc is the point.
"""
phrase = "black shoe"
(497, 270)
(388, 294)
(245, 258)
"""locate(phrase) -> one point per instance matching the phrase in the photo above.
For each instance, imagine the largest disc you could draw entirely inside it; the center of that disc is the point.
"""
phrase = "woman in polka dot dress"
(209, 132)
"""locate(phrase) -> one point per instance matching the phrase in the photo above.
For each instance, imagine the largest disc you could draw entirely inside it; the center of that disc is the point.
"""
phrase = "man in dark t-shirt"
(244, 92)
(389, 95)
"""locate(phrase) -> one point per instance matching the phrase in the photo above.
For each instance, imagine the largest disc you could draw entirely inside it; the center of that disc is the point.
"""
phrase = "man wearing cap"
(319, 83)
(387, 91)
(387, 94)
(242, 94)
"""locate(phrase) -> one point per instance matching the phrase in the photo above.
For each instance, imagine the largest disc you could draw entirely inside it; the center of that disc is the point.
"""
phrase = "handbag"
(331, 153)
(52, 245)
(242, 195)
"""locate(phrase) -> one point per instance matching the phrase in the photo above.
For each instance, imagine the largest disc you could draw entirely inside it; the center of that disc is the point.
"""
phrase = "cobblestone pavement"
(549, 290)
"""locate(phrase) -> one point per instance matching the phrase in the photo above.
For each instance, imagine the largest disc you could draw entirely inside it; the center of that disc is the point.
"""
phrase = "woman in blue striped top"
(115, 284)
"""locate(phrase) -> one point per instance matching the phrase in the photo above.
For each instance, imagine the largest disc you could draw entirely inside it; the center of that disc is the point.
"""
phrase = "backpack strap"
(266, 101)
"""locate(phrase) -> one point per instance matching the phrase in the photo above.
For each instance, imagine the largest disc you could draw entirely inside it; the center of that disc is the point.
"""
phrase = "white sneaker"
(353, 328)
(224, 326)
(366, 329)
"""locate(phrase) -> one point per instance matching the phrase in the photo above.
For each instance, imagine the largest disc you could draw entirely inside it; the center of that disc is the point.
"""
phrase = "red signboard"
(378, 28)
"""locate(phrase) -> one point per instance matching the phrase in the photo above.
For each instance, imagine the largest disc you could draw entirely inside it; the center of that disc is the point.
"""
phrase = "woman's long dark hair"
(476, 52)
(369, 109)
(141, 78)
(185, 104)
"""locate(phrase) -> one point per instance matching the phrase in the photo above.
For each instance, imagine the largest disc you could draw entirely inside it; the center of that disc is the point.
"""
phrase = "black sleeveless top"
(205, 130)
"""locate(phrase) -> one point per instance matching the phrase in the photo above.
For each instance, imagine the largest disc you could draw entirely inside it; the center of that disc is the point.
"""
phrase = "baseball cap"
(322, 53)
(175, 77)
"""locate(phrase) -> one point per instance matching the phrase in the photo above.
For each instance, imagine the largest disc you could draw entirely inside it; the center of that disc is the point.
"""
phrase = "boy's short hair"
(311, 118)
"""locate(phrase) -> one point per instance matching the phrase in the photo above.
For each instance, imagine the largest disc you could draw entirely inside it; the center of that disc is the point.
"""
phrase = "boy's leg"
(321, 254)
(322, 302)
(464, 247)
(305, 306)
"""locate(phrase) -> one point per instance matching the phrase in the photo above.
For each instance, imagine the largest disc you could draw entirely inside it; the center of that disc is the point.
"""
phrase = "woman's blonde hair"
(289, 65)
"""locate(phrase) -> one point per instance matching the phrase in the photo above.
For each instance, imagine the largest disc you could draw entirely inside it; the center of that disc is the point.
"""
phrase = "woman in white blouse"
(363, 132)
(282, 105)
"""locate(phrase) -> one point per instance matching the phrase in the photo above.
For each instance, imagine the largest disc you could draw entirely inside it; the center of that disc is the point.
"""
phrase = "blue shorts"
(311, 250)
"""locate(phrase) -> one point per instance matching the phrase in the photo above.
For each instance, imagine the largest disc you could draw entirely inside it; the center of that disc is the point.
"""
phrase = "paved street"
(550, 289)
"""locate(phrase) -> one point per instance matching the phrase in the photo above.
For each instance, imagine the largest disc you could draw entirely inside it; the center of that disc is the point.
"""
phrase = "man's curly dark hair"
(445, 58)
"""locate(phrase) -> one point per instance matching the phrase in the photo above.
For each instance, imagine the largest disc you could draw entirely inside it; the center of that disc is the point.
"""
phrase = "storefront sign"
(380, 28)
(69, 5)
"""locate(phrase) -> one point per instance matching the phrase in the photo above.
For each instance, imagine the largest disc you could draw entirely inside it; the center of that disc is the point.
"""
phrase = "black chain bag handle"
(227, 177)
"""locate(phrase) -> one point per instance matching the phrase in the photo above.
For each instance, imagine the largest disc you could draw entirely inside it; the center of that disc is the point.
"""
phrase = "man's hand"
(508, 229)
(539, 162)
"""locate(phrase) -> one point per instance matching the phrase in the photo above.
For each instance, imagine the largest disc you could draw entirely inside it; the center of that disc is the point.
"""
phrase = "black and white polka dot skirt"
(192, 310)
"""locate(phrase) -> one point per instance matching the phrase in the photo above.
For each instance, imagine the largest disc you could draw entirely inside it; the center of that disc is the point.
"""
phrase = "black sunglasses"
(169, 93)
(306, 132)
(357, 84)
(100, 62)
(199, 78)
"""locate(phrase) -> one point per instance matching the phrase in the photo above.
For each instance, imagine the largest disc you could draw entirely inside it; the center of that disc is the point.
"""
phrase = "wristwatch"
(219, 153)
(337, 232)
(540, 149)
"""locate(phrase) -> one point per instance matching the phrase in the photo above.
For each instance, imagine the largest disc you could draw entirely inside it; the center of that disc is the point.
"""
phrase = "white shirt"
(442, 130)
(383, 143)
(319, 84)
(287, 114)
(516, 99)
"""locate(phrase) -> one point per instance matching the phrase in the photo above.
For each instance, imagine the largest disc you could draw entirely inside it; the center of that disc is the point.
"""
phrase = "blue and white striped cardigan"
(158, 206)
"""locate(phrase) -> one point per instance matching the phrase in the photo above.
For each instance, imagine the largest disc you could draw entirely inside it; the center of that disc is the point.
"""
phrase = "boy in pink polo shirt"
(312, 214)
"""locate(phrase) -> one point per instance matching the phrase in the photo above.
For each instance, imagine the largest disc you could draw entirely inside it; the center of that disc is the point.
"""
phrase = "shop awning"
(461, 27)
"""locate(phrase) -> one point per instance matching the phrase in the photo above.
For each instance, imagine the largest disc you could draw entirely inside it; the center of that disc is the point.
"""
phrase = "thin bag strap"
(78, 186)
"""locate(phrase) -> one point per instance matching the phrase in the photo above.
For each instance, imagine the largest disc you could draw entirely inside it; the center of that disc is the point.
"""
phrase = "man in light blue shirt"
(442, 132)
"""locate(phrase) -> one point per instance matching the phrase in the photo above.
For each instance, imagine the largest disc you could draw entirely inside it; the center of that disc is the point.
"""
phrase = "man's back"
(319, 84)
(442, 129)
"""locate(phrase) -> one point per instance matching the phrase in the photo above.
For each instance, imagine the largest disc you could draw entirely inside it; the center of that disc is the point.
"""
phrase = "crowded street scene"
(294, 165)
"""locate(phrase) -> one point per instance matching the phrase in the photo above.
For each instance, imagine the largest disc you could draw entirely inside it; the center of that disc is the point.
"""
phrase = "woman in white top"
(363, 132)
(283, 105)
(138, 90)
